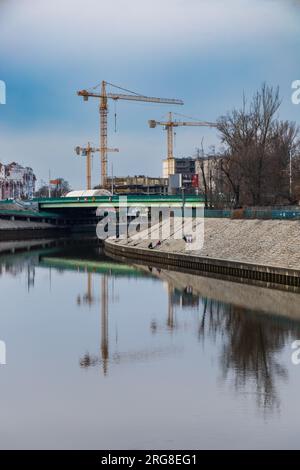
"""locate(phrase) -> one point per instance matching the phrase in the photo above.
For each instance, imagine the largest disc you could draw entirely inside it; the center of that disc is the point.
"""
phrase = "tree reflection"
(88, 360)
(250, 344)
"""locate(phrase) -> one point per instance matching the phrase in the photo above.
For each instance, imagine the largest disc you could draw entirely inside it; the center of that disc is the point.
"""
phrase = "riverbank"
(266, 251)
(23, 229)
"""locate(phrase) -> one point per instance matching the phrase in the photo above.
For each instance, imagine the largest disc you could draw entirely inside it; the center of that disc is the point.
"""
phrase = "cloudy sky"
(206, 52)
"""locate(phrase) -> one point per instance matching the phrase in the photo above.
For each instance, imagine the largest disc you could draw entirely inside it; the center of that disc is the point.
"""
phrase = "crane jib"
(120, 96)
(151, 99)
(104, 96)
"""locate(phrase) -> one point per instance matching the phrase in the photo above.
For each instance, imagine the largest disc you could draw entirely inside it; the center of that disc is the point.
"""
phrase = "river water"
(106, 355)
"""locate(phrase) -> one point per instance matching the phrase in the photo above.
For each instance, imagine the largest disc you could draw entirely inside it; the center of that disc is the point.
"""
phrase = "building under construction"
(179, 174)
(191, 174)
(137, 185)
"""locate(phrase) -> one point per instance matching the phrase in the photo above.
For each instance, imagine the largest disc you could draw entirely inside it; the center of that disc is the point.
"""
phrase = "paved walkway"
(267, 242)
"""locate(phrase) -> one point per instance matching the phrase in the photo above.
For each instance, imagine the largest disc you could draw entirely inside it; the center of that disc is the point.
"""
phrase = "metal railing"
(254, 213)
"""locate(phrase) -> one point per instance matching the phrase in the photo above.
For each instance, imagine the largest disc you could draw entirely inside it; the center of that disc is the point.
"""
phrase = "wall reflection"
(249, 342)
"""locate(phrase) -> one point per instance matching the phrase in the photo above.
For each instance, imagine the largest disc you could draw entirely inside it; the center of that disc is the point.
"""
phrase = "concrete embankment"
(22, 229)
(21, 246)
(264, 251)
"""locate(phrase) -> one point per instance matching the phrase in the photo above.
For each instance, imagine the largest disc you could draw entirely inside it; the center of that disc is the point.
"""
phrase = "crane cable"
(188, 117)
(115, 115)
(124, 89)
(115, 86)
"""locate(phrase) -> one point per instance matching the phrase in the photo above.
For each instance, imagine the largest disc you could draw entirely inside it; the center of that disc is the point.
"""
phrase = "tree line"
(259, 163)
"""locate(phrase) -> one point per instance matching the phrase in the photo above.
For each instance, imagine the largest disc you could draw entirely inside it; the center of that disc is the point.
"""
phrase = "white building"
(16, 181)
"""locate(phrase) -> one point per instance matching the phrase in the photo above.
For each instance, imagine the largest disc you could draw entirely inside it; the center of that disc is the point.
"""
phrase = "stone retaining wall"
(266, 251)
(22, 229)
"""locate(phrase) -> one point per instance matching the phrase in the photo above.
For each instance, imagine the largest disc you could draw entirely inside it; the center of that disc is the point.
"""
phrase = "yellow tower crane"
(169, 125)
(103, 109)
(87, 152)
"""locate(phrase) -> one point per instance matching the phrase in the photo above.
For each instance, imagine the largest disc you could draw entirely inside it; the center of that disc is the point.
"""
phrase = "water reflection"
(250, 347)
(14, 266)
(248, 341)
(103, 359)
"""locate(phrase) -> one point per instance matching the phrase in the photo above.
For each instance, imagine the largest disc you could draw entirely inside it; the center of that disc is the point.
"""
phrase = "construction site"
(178, 174)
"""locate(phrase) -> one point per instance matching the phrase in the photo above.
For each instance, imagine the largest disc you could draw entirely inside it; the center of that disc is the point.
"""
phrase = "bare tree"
(60, 188)
(258, 148)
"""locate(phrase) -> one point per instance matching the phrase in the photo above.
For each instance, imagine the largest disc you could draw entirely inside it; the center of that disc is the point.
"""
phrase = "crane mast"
(169, 125)
(170, 147)
(103, 133)
(87, 152)
(103, 110)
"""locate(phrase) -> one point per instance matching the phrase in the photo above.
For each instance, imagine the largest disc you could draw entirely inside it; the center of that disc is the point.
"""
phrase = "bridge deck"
(114, 201)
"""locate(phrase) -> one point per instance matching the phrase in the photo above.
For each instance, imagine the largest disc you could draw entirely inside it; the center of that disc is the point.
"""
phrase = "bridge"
(66, 203)
(81, 211)
(77, 212)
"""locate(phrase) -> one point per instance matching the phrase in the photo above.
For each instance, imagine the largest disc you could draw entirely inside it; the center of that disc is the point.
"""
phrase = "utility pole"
(49, 186)
(291, 175)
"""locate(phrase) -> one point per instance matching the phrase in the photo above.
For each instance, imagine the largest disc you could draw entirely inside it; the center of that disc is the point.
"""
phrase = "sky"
(206, 52)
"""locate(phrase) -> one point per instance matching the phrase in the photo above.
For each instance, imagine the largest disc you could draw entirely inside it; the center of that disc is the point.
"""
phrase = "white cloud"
(114, 40)
(76, 30)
